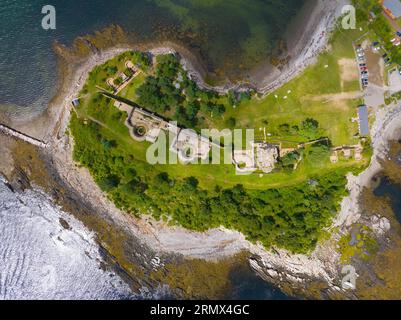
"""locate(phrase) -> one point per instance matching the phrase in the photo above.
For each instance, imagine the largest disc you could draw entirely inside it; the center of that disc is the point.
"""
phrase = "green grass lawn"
(129, 91)
(209, 175)
(321, 78)
(286, 208)
(269, 112)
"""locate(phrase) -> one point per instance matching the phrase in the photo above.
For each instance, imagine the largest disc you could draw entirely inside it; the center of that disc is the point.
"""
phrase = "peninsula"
(129, 137)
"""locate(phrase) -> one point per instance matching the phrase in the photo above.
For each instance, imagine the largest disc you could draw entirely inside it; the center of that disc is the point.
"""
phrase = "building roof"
(363, 120)
(75, 102)
(394, 6)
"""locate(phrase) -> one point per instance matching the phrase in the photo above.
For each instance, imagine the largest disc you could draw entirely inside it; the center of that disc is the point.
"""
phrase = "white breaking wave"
(39, 259)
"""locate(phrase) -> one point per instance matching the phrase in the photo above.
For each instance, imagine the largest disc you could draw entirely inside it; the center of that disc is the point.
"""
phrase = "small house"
(392, 8)
(372, 16)
(75, 102)
(363, 119)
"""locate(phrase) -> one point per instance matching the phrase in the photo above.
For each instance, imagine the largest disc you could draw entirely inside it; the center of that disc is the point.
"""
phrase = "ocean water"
(42, 259)
(227, 33)
(39, 259)
(387, 188)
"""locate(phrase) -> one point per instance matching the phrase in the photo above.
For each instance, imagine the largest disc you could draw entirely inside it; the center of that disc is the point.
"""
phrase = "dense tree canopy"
(170, 89)
(291, 217)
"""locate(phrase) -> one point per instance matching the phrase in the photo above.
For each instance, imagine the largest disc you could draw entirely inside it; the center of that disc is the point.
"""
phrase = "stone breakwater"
(24, 137)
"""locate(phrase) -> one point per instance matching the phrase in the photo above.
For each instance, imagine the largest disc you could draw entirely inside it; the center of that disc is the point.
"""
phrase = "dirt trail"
(349, 71)
(334, 96)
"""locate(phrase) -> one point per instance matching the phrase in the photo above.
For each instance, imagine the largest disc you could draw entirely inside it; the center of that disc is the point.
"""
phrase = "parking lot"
(362, 65)
(375, 64)
(371, 60)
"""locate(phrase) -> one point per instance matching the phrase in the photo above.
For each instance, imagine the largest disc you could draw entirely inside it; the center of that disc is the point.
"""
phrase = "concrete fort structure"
(261, 157)
(146, 126)
(191, 147)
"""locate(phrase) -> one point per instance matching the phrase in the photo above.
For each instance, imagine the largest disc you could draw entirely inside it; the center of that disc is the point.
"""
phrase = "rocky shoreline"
(305, 46)
(304, 272)
(212, 245)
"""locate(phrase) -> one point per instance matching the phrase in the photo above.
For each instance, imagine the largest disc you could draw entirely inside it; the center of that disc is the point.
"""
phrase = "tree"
(110, 182)
(310, 129)
(190, 184)
(141, 59)
(167, 66)
(231, 122)
(218, 110)
(245, 96)
(162, 182)
(290, 159)
(319, 153)
(232, 100)
(284, 128)
(192, 110)
(111, 70)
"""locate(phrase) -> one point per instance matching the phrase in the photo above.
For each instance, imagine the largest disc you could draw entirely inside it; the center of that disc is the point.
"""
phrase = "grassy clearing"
(209, 176)
(320, 79)
(290, 217)
(287, 208)
(303, 101)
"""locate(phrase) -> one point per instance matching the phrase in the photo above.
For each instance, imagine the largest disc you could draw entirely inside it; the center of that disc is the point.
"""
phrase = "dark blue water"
(392, 190)
(248, 286)
(227, 33)
(28, 74)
